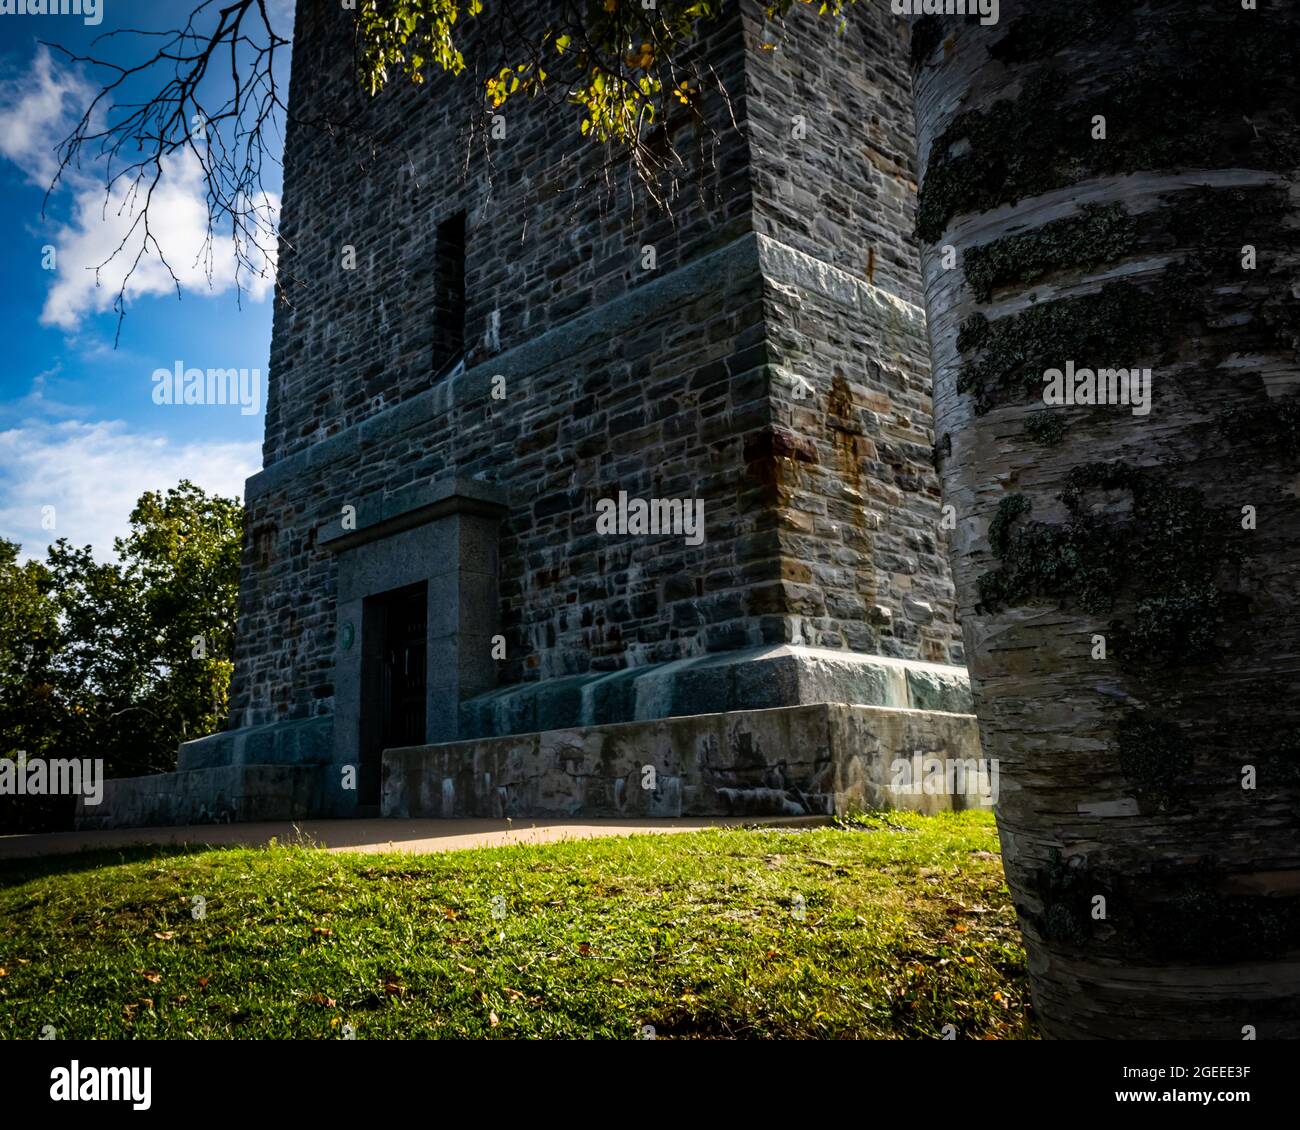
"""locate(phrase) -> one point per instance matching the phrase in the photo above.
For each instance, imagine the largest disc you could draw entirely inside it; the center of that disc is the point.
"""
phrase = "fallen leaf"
(165, 935)
(152, 977)
(492, 1019)
(584, 948)
(322, 932)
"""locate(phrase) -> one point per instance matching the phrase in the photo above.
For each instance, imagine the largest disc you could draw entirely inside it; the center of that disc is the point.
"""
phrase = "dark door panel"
(394, 662)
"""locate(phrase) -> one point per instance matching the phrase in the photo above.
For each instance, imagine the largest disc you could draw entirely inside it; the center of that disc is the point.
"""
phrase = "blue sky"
(79, 429)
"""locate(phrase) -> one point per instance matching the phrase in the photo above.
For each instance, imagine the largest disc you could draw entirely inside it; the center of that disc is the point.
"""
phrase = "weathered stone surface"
(750, 679)
(222, 794)
(825, 758)
(307, 741)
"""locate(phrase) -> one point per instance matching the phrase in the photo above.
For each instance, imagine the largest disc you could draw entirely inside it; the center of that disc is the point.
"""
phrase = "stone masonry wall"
(545, 240)
(834, 183)
(821, 511)
(856, 493)
(832, 140)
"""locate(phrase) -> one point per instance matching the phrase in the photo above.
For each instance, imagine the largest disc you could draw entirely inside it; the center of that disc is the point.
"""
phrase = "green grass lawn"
(891, 927)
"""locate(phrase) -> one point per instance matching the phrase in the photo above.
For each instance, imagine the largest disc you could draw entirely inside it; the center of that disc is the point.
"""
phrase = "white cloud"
(178, 217)
(93, 473)
(36, 112)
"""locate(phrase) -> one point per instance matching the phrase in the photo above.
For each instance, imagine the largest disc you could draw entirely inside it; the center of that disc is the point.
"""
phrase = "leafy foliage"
(623, 62)
(122, 660)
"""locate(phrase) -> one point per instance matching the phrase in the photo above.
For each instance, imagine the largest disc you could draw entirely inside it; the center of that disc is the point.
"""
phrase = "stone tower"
(481, 347)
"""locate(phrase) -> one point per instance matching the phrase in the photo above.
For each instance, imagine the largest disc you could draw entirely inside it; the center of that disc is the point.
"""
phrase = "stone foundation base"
(766, 730)
(226, 794)
(825, 758)
(753, 679)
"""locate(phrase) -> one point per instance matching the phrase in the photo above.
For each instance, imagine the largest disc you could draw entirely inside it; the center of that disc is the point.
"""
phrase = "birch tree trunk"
(1114, 185)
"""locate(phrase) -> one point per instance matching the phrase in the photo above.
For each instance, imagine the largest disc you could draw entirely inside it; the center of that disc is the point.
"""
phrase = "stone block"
(803, 760)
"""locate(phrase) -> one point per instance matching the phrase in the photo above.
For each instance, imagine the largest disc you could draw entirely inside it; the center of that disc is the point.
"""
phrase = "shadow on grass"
(15, 872)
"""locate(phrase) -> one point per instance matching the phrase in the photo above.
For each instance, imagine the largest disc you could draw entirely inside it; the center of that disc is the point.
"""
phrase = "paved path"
(418, 836)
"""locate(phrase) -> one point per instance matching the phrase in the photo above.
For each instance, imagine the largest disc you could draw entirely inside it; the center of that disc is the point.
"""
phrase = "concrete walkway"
(417, 836)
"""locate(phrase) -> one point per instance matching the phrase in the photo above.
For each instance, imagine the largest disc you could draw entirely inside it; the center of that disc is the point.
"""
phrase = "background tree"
(29, 635)
(121, 660)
